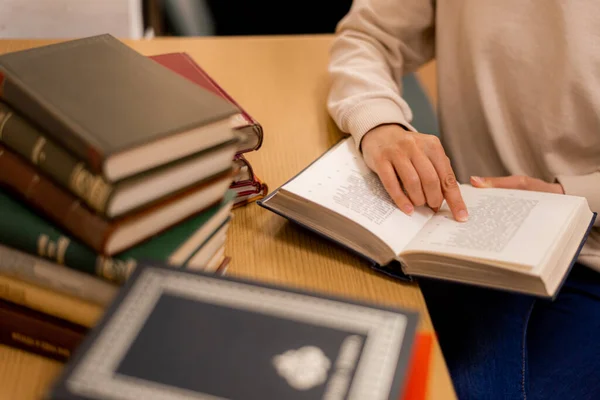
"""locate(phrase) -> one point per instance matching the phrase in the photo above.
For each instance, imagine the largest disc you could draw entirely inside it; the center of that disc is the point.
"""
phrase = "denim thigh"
(502, 345)
(563, 341)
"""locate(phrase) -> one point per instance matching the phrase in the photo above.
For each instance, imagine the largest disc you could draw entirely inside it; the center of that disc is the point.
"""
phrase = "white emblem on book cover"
(304, 368)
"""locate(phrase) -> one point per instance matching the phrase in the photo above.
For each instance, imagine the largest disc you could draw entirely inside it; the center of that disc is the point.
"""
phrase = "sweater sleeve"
(376, 43)
(587, 186)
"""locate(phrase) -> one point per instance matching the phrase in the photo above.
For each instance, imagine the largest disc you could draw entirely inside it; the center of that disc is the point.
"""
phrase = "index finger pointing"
(450, 187)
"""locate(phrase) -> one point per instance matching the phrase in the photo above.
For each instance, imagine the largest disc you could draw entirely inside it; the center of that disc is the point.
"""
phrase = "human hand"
(517, 182)
(420, 163)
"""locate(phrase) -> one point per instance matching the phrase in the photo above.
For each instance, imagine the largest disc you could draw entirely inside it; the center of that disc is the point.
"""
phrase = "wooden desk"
(283, 82)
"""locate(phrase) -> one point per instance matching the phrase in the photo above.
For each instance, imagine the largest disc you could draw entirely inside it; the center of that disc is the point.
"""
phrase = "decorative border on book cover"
(375, 370)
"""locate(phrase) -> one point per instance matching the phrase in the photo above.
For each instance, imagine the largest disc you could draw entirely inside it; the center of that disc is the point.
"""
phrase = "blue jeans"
(501, 345)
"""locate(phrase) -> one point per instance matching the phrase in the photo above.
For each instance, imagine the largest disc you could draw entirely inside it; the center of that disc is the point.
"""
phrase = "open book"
(514, 240)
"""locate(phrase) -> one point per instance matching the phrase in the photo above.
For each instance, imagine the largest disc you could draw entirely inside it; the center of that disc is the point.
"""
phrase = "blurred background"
(136, 19)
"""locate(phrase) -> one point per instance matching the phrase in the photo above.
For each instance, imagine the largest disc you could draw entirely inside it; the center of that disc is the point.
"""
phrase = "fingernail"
(462, 215)
(408, 209)
(477, 180)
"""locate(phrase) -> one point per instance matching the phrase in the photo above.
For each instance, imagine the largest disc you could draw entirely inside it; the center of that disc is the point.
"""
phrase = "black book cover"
(174, 334)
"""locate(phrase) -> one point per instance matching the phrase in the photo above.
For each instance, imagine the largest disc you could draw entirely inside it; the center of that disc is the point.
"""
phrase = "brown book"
(116, 110)
(38, 333)
(112, 200)
(106, 236)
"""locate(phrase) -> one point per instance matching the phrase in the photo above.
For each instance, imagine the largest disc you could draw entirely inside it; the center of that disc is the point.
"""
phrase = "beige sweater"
(518, 84)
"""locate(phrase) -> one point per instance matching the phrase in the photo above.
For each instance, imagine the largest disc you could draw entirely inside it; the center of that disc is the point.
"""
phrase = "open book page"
(510, 226)
(341, 182)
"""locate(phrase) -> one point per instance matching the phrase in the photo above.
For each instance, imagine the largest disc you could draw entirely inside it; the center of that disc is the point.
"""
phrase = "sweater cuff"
(587, 186)
(369, 114)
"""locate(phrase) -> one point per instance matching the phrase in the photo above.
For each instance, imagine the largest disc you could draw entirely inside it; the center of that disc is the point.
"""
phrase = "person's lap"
(508, 346)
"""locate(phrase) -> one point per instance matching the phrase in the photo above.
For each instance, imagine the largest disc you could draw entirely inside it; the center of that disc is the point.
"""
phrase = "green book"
(24, 229)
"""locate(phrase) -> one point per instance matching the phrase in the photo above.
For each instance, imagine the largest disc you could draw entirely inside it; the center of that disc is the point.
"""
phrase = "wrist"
(379, 128)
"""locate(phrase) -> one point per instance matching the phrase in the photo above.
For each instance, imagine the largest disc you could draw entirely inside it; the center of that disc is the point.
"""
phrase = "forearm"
(376, 43)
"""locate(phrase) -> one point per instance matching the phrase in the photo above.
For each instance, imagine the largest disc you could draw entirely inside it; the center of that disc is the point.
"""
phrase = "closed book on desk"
(111, 200)
(38, 333)
(116, 110)
(247, 185)
(180, 335)
(249, 192)
(183, 64)
(106, 236)
(57, 278)
(49, 302)
(26, 230)
(514, 240)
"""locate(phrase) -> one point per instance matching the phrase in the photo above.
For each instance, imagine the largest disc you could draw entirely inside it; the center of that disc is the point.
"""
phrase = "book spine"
(57, 204)
(28, 141)
(39, 334)
(48, 302)
(25, 230)
(34, 109)
(37, 271)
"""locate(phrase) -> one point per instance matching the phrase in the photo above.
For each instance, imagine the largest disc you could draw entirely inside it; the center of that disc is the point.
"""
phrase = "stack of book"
(106, 159)
(247, 186)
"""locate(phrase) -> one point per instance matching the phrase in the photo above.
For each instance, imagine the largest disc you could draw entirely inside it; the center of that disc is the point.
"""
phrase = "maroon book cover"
(38, 333)
(247, 185)
(185, 66)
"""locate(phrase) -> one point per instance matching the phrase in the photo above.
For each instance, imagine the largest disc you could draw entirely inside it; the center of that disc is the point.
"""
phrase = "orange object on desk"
(418, 375)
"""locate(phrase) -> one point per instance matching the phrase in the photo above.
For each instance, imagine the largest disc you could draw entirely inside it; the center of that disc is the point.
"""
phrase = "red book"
(418, 374)
(185, 66)
(247, 186)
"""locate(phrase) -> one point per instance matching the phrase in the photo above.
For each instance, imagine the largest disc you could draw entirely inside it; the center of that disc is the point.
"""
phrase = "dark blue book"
(515, 240)
(173, 334)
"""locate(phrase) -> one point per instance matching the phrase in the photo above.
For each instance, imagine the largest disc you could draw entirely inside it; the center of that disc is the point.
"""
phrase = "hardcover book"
(105, 236)
(183, 64)
(182, 245)
(54, 277)
(111, 200)
(49, 302)
(113, 108)
(38, 333)
(247, 185)
(514, 240)
(182, 335)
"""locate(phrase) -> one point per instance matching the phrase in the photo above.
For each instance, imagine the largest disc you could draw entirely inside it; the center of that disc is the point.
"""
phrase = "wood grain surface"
(283, 83)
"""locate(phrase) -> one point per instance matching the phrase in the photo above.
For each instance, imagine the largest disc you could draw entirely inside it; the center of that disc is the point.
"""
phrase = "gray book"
(172, 334)
(119, 112)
